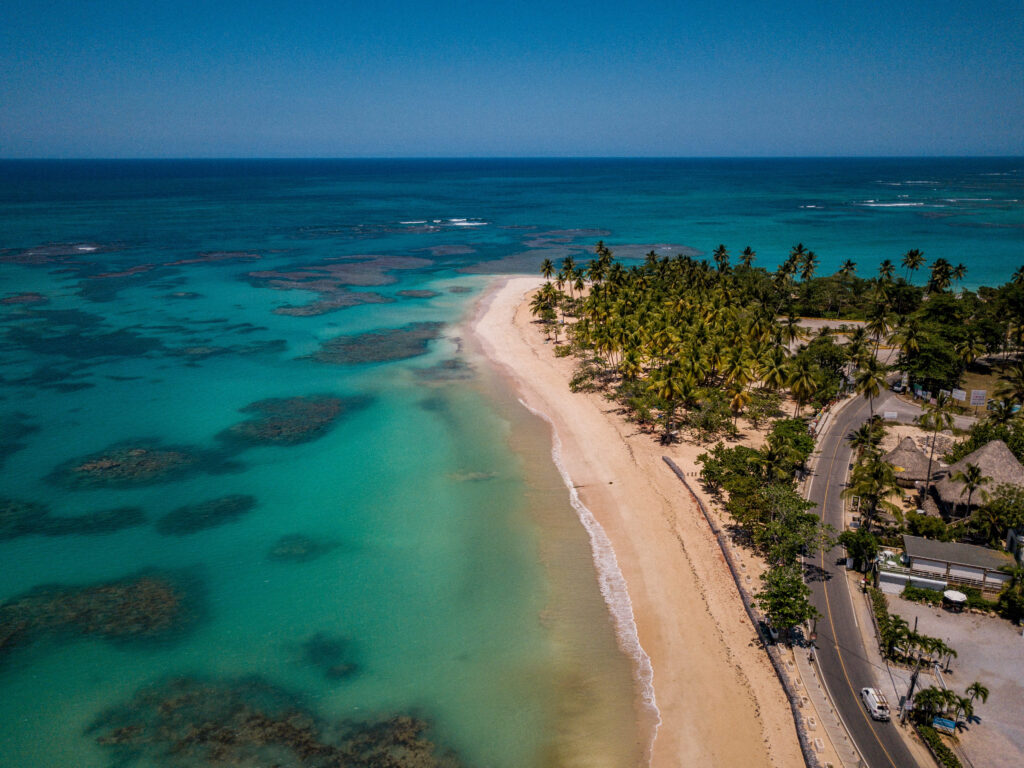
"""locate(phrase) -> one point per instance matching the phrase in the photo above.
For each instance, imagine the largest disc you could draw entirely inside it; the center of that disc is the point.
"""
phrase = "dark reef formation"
(146, 607)
(298, 548)
(332, 655)
(131, 464)
(379, 346)
(192, 518)
(14, 427)
(249, 723)
(291, 420)
(418, 294)
(331, 279)
(26, 518)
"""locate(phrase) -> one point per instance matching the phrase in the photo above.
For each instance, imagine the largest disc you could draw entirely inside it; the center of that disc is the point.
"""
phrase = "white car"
(875, 703)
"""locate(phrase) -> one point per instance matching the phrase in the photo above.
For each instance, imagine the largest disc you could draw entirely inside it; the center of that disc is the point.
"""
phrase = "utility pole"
(910, 691)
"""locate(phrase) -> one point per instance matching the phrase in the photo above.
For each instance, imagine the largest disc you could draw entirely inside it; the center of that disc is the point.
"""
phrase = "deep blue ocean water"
(443, 573)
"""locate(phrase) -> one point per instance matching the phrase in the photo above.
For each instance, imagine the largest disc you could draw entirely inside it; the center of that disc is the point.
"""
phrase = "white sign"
(891, 416)
(959, 394)
(944, 393)
(978, 396)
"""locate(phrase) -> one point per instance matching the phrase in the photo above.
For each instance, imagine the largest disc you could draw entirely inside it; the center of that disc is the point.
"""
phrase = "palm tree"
(975, 691)
(874, 482)
(886, 269)
(847, 269)
(1018, 276)
(1011, 383)
(869, 381)
(958, 273)
(973, 479)
(865, 439)
(935, 419)
(970, 348)
(547, 269)
(802, 383)
(721, 257)
(747, 257)
(671, 386)
(808, 263)
(912, 260)
(941, 276)
(1002, 410)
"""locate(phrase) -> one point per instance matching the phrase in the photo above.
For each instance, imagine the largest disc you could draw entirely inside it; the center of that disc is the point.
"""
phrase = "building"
(910, 463)
(995, 461)
(939, 565)
(1015, 544)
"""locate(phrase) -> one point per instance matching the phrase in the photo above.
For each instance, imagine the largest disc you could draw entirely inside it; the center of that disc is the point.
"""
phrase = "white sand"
(720, 702)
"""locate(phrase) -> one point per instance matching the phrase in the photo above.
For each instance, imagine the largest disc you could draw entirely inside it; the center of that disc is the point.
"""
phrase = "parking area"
(991, 651)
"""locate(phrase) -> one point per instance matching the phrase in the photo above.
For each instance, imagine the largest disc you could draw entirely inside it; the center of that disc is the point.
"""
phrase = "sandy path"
(720, 702)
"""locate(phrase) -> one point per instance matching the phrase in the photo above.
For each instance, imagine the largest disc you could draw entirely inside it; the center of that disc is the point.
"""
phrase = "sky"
(404, 78)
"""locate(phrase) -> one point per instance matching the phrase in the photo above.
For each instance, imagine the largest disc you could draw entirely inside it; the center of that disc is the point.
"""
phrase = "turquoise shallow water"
(454, 574)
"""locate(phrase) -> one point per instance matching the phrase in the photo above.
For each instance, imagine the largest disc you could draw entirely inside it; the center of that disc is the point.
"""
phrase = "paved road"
(840, 651)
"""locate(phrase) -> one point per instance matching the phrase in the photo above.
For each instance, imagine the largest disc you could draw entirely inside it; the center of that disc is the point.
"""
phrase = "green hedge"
(944, 754)
(919, 595)
(975, 600)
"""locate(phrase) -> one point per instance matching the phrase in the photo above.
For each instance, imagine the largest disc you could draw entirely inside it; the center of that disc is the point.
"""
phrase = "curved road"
(839, 649)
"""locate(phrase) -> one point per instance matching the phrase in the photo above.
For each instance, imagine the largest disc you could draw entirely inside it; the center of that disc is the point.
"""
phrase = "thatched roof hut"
(910, 463)
(995, 461)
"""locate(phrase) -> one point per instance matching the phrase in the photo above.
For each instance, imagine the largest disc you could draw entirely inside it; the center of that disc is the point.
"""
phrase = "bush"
(563, 350)
(919, 595)
(975, 600)
(880, 607)
(928, 527)
(942, 753)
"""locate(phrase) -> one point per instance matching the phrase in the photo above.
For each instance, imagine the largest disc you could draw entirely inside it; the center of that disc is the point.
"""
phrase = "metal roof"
(951, 552)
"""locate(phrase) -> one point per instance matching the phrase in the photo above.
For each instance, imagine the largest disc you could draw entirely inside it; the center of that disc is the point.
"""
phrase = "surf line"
(612, 583)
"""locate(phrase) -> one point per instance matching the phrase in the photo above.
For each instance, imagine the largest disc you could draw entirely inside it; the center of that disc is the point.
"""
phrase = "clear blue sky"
(149, 78)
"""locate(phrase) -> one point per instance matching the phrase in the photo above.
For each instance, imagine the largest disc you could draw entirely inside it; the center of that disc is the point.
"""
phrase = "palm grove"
(688, 346)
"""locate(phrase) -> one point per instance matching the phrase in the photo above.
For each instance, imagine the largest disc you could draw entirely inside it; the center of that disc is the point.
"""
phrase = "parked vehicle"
(875, 703)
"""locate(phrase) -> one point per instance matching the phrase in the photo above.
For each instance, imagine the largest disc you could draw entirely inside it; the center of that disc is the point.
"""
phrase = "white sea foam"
(85, 247)
(413, 222)
(464, 223)
(816, 207)
(613, 584)
(873, 204)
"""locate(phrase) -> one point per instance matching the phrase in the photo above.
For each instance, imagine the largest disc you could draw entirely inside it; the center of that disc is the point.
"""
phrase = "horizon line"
(251, 158)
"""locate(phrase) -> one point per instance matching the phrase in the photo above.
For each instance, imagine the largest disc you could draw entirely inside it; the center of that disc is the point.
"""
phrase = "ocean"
(249, 466)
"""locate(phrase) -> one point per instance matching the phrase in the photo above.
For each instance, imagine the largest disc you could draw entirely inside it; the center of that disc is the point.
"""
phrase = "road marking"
(831, 622)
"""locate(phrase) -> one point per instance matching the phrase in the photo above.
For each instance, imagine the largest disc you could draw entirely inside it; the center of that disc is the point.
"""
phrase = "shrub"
(975, 600)
(942, 753)
(919, 595)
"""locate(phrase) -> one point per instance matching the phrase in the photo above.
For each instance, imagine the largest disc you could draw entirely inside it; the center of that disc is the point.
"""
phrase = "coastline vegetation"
(688, 347)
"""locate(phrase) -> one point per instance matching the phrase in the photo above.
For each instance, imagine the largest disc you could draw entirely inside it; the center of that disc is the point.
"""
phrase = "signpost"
(959, 394)
(978, 398)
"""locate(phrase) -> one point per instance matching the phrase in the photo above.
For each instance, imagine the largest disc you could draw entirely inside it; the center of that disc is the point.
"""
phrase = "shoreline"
(724, 707)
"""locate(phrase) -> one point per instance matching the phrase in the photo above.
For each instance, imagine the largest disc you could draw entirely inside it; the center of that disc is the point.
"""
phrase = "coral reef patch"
(291, 420)
(249, 723)
(452, 369)
(26, 518)
(418, 294)
(150, 606)
(136, 463)
(379, 346)
(14, 427)
(192, 518)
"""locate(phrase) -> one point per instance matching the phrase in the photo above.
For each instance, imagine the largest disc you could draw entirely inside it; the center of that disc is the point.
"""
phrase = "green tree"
(785, 598)
(874, 482)
(913, 260)
(1011, 599)
(869, 381)
(861, 545)
(973, 479)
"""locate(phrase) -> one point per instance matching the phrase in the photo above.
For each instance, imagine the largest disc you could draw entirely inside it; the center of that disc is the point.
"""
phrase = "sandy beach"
(720, 703)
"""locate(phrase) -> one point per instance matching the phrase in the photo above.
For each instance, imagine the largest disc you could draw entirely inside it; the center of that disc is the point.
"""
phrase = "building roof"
(909, 461)
(950, 552)
(996, 462)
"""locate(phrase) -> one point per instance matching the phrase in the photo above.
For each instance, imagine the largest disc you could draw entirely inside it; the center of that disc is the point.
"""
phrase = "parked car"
(875, 703)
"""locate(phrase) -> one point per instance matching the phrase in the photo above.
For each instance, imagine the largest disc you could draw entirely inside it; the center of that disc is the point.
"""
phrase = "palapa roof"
(996, 462)
(955, 553)
(909, 461)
